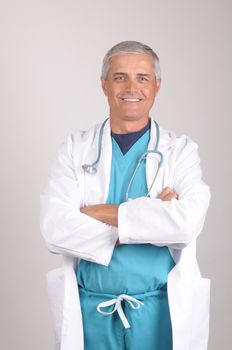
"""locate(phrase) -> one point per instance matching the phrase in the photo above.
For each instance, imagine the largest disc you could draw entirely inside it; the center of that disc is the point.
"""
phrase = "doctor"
(124, 204)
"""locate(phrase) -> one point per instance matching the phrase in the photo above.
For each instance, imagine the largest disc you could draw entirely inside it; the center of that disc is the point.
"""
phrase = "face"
(130, 86)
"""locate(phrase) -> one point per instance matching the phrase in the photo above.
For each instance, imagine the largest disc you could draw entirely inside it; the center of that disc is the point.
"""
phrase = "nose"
(131, 85)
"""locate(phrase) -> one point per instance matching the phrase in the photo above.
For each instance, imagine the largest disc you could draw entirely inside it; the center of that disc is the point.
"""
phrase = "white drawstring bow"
(134, 303)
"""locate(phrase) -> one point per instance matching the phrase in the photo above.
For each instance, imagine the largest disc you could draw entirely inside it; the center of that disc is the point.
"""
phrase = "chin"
(132, 117)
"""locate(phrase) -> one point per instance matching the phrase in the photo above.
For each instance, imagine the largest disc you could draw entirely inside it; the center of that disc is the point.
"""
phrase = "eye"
(119, 78)
(143, 78)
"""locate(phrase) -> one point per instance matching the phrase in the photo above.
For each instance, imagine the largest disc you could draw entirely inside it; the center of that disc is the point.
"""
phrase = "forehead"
(134, 62)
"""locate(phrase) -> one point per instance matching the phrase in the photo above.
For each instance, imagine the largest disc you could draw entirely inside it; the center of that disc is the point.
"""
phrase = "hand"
(167, 194)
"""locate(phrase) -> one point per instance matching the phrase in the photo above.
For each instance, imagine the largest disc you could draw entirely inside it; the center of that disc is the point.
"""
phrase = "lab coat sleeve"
(172, 223)
(65, 229)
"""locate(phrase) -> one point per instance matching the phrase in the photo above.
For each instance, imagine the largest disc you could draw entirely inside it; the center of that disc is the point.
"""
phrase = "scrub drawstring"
(134, 303)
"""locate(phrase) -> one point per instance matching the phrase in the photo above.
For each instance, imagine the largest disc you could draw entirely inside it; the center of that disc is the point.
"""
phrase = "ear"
(158, 83)
(104, 86)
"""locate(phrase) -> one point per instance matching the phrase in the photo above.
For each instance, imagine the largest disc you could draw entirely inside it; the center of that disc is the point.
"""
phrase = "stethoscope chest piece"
(89, 168)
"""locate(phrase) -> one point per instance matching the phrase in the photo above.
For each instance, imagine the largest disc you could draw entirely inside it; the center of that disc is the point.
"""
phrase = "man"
(124, 204)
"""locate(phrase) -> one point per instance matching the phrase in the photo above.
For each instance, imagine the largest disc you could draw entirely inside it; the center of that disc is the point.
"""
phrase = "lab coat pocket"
(56, 286)
(200, 320)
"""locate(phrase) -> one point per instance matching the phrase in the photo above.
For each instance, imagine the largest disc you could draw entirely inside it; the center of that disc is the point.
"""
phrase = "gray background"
(51, 53)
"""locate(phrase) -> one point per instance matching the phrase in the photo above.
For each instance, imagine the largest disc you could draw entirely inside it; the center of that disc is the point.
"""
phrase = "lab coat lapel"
(97, 185)
(152, 163)
(105, 161)
(165, 142)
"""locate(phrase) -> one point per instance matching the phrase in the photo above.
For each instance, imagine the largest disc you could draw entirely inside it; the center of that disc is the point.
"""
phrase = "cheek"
(112, 99)
(151, 95)
(113, 93)
(110, 91)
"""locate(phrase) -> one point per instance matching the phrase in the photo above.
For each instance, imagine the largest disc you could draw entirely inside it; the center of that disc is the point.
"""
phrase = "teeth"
(131, 99)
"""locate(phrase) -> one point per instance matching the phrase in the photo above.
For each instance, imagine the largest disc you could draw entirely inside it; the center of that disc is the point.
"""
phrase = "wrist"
(109, 214)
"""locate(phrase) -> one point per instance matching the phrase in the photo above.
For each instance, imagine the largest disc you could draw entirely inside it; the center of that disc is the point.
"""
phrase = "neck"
(127, 126)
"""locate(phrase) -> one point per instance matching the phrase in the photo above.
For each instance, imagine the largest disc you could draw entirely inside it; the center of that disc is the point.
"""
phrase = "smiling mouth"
(131, 99)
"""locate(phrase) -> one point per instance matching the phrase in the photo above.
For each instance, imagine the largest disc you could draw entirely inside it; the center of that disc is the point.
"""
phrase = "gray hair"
(127, 47)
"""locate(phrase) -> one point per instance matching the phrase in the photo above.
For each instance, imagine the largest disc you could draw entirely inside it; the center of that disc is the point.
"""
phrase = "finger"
(165, 192)
(170, 196)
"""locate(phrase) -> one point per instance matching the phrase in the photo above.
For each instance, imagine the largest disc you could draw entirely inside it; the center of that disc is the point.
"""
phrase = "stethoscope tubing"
(92, 168)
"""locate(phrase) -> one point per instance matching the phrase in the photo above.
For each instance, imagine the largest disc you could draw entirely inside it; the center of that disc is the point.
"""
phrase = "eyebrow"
(119, 73)
(144, 75)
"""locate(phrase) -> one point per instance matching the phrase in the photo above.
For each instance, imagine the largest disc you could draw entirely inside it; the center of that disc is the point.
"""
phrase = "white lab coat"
(174, 223)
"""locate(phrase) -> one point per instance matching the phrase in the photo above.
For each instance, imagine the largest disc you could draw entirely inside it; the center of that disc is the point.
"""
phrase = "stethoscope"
(92, 168)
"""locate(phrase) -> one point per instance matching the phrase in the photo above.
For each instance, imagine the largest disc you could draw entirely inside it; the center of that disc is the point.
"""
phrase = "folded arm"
(65, 228)
(173, 223)
(108, 213)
